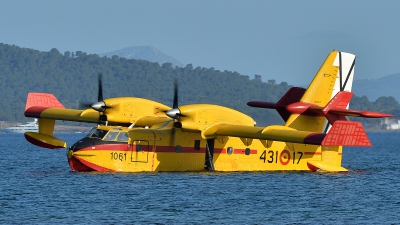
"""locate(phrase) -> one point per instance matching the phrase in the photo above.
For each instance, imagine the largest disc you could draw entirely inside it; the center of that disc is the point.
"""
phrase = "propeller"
(100, 105)
(175, 112)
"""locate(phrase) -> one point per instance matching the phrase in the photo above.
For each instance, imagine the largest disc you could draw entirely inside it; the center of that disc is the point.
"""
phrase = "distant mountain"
(375, 88)
(148, 53)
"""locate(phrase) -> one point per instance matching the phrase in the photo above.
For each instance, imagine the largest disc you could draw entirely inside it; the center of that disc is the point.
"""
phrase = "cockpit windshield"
(90, 132)
(116, 136)
(99, 134)
(111, 136)
(123, 136)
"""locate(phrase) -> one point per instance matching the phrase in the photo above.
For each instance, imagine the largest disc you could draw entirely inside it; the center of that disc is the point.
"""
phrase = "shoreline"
(57, 129)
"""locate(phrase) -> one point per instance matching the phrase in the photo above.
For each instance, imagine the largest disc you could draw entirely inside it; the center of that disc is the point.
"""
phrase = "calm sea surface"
(37, 187)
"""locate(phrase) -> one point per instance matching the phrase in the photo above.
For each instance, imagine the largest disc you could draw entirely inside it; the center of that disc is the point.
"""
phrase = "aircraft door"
(140, 151)
(209, 164)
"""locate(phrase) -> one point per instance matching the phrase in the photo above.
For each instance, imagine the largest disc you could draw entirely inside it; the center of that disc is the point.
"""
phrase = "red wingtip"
(43, 100)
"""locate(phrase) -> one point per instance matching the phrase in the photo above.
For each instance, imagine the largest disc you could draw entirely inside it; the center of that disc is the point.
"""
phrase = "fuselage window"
(247, 151)
(196, 144)
(123, 136)
(111, 136)
(229, 150)
(178, 149)
(99, 134)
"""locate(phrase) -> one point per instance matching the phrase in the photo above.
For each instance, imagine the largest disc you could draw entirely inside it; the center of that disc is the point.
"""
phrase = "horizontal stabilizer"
(359, 113)
(335, 110)
(293, 95)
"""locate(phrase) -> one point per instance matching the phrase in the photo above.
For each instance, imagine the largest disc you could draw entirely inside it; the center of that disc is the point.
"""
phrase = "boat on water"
(22, 128)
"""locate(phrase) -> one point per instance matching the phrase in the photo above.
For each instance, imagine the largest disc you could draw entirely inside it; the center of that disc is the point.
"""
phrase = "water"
(37, 187)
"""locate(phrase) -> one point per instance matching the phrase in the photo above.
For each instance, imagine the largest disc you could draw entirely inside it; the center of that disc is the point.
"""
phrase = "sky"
(282, 40)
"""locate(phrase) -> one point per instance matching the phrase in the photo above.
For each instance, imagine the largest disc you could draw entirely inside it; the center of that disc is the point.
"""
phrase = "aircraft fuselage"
(116, 149)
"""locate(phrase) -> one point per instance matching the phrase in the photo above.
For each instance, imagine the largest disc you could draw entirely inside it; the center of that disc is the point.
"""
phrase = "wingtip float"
(202, 137)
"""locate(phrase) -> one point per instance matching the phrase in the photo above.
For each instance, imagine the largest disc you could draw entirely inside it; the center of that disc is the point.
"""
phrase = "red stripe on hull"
(164, 149)
(94, 167)
(242, 151)
(78, 166)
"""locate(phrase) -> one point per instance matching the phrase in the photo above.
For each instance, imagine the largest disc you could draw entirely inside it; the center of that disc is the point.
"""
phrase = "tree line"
(72, 78)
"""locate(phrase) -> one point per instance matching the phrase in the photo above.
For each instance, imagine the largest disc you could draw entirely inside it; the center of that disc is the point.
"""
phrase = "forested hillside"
(72, 77)
(375, 88)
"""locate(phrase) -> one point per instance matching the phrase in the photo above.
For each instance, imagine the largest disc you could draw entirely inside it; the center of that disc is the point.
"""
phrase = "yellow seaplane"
(138, 134)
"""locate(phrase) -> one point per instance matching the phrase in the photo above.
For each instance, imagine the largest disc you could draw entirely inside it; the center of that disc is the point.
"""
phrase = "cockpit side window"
(123, 136)
(99, 134)
(111, 136)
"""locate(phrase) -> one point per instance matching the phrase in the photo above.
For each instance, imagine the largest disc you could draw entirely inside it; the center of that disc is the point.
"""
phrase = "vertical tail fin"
(335, 75)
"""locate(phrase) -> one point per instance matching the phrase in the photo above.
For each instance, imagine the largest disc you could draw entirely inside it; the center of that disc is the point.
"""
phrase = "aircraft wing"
(88, 115)
(273, 133)
(47, 106)
(342, 133)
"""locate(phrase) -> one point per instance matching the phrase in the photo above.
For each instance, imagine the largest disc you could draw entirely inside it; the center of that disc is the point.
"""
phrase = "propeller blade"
(100, 105)
(175, 104)
(175, 112)
(100, 93)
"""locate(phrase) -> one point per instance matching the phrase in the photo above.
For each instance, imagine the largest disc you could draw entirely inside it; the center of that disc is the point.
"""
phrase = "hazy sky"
(281, 40)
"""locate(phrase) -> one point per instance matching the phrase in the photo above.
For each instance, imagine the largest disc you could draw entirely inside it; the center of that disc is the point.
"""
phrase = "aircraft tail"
(301, 108)
(36, 103)
(335, 75)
